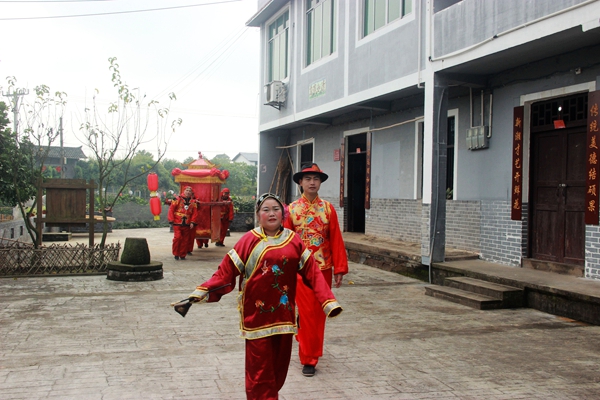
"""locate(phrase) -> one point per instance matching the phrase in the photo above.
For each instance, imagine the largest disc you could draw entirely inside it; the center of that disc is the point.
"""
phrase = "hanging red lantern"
(155, 207)
(152, 182)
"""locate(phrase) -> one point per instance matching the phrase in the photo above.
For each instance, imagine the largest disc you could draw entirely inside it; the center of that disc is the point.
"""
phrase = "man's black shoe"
(308, 370)
(219, 244)
(182, 258)
(189, 253)
(205, 244)
(177, 257)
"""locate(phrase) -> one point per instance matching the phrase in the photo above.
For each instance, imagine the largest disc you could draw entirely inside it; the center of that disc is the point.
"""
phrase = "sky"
(200, 50)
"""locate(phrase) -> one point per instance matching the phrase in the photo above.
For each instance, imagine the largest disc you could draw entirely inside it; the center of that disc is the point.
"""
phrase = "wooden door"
(558, 195)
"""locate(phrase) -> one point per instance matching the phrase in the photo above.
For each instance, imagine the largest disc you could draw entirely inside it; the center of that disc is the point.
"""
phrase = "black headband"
(266, 196)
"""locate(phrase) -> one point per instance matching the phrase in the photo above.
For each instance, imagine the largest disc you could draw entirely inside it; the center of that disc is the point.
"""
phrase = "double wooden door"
(558, 195)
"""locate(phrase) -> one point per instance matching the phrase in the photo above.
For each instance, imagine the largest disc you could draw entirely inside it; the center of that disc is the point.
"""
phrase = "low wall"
(242, 222)
(14, 230)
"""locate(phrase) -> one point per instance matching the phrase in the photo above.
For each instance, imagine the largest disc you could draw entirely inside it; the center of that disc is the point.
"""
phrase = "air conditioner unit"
(275, 92)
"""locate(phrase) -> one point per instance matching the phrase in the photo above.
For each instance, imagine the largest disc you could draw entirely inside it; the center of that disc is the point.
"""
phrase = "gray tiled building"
(410, 106)
(64, 157)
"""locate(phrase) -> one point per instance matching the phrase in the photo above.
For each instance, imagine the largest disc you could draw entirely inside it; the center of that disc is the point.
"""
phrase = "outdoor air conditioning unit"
(275, 93)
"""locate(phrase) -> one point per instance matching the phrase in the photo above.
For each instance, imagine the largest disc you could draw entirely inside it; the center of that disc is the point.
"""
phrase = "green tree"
(23, 153)
(242, 177)
(165, 179)
(115, 140)
(7, 141)
(170, 164)
(86, 169)
(188, 160)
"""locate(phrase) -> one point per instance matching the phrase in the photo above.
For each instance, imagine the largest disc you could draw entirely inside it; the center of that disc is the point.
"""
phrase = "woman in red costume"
(267, 261)
(182, 214)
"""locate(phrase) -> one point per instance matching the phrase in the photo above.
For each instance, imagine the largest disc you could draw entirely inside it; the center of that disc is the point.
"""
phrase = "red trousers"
(224, 228)
(267, 363)
(311, 330)
(181, 240)
(191, 235)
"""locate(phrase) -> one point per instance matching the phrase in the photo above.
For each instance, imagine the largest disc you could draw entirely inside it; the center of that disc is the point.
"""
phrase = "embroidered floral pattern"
(283, 299)
(311, 221)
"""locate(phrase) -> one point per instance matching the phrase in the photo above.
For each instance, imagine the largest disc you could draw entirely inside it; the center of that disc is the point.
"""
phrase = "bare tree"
(115, 139)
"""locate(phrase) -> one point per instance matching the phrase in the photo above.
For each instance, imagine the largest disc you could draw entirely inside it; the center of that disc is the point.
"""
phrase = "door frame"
(345, 170)
(526, 101)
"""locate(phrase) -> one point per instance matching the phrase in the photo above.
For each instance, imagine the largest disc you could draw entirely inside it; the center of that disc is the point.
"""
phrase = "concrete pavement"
(92, 338)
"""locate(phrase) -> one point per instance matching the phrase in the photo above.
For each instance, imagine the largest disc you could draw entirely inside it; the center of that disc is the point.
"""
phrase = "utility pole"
(62, 151)
(15, 95)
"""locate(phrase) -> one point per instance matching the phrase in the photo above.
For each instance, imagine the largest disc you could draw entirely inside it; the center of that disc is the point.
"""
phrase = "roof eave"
(266, 12)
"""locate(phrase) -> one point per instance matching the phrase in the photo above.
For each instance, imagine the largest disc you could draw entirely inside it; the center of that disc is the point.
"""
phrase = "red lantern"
(152, 182)
(155, 207)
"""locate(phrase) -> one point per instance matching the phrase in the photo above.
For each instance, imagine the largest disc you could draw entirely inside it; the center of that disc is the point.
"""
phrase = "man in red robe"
(182, 215)
(226, 216)
(316, 221)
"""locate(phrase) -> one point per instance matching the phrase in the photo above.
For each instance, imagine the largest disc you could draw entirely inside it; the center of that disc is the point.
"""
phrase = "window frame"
(310, 56)
(452, 169)
(269, 70)
(377, 25)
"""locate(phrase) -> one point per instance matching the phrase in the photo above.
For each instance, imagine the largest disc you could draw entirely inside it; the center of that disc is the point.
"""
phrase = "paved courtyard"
(91, 338)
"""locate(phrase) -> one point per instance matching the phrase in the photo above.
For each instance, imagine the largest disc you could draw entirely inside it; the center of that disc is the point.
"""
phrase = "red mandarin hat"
(310, 169)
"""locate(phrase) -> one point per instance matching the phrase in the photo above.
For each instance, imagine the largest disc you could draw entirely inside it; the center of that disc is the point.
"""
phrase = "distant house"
(70, 156)
(246, 158)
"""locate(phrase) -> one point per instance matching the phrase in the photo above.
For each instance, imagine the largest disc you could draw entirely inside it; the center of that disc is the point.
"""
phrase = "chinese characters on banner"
(368, 174)
(592, 179)
(517, 166)
(342, 167)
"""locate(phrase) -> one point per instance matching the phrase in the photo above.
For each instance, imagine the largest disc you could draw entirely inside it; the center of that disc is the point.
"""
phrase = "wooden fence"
(22, 259)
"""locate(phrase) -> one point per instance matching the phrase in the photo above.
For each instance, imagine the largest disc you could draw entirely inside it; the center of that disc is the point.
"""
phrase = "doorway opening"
(356, 181)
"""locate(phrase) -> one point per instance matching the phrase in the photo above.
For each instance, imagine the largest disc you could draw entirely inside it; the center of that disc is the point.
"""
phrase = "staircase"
(477, 293)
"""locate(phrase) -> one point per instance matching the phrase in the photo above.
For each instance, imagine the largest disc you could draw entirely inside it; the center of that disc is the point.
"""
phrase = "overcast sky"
(204, 54)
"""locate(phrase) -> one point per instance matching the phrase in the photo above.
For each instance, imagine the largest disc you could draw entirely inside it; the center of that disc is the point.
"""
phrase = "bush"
(6, 211)
(244, 203)
(131, 215)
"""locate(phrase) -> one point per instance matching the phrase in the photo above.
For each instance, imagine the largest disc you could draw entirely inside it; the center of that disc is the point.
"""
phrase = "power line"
(50, 1)
(222, 53)
(119, 12)
(213, 53)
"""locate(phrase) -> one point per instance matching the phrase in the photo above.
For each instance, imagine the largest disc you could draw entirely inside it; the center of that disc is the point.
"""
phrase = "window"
(378, 13)
(450, 159)
(320, 29)
(278, 48)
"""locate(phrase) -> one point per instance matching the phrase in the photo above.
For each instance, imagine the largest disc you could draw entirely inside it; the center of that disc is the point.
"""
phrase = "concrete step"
(511, 297)
(463, 297)
(557, 268)
(56, 236)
